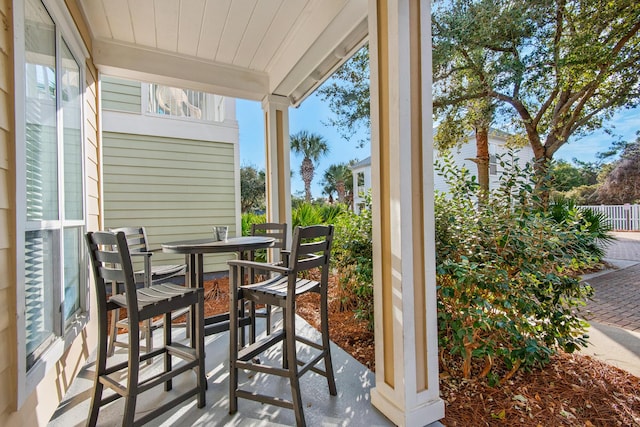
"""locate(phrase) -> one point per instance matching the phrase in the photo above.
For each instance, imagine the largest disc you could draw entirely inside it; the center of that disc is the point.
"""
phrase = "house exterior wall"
(463, 154)
(39, 404)
(175, 176)
(178, 189)
(121, 95)
(360, 191)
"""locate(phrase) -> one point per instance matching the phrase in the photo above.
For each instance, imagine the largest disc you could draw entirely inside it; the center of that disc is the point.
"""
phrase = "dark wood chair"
(151, 273)
(111, 263)
(279, 232)
(310, 250)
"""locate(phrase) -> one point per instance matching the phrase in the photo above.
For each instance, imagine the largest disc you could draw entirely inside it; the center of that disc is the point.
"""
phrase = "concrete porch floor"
(351, 407)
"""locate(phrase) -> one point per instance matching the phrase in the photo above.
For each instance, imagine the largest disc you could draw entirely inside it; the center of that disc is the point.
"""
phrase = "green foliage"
(338, 179)
(330, 213)
(566, 176)
(348, 94)
(353, 257)
(311, 146)
(507, 274)
(594, 226)
(306, 214)
(251, 218)
(252, 189)
(555, 70)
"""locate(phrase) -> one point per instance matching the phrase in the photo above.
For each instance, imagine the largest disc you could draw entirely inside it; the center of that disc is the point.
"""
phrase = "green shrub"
(329, 213)
(507, 280)
(304, 215)
(251, 218)
(352, 255)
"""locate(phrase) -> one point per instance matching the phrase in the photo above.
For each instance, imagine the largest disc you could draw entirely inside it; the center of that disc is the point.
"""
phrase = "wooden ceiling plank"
(234, 29)
(287, 15)
(260, 22)
(143, 17)
(166, 14)
(190, 26)
(117, 12)
(96, 15)
(215, 17)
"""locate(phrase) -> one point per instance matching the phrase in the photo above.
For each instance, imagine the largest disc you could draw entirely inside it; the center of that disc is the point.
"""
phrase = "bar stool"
(311, 249)
(111, 262)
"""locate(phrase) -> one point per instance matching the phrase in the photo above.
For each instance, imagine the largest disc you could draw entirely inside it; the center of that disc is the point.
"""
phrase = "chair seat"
(277, 287)
(157, 299)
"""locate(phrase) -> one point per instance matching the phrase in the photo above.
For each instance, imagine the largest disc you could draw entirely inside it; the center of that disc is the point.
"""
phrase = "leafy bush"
(330, 213)
(596, 231)
(305, 215)
(352, 255)
(251, 218)
(508, 289)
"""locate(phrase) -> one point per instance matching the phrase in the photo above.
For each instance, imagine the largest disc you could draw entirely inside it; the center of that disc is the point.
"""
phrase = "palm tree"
(338, 178)
(312, 146)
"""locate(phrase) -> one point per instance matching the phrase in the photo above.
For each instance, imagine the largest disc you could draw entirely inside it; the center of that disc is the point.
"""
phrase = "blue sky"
(314, 113)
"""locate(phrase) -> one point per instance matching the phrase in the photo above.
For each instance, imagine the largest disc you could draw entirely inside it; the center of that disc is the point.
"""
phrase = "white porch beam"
(406, 338)
(315, 52)
(278, 169)
(138, 63)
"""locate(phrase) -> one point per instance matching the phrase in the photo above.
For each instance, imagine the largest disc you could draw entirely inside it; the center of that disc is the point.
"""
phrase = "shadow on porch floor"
(351, 407)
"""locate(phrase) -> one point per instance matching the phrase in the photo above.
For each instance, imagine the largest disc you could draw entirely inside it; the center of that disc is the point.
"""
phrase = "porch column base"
(423, 414)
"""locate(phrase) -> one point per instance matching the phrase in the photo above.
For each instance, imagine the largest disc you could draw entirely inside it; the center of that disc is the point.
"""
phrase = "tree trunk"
(482, 159)
(306, 171)
(341, 190)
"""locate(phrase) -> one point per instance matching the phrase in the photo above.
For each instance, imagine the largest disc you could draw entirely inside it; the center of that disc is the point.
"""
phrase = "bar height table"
(194, 251)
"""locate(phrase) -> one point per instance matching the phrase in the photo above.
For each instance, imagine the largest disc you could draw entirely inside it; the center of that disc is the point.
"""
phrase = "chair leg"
(326, 344)
(233, 344)
(268, 325)
(113, 331)
(199, 345)
(290, 339)
(168, 385)
(101, 364)
(132, 375)
(285, 356)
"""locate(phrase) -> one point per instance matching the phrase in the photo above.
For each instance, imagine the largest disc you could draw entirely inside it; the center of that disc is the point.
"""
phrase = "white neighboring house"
(462, 156)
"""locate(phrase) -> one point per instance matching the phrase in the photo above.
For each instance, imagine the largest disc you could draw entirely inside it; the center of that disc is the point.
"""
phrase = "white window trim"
(28, 381)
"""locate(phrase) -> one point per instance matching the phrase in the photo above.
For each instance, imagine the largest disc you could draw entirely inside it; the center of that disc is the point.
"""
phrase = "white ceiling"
(242, 48)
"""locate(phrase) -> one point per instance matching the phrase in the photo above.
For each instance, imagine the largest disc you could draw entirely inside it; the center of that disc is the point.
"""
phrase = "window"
(177, 102)
(493, 160)
(55, 278)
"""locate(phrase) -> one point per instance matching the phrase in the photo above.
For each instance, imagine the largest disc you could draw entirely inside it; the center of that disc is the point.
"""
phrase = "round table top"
(211, 245)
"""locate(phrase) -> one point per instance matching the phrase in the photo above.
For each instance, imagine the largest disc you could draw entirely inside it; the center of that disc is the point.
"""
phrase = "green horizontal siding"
(121, 95)
(177, 189)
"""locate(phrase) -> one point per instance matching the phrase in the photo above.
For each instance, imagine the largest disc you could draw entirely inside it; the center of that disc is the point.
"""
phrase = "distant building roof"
(361, 163)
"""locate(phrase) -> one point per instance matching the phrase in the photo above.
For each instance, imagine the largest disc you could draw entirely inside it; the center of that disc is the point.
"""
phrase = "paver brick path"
(616, 299)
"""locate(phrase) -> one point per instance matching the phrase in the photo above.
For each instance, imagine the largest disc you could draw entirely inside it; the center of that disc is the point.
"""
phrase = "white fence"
(620, 217)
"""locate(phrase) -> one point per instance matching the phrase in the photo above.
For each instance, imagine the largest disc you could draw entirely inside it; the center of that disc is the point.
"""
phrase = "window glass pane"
(71, 104)
(40, 113)
(72, 271)
(39, 287)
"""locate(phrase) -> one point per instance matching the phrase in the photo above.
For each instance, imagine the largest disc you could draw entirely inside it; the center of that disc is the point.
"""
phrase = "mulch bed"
(573, 390)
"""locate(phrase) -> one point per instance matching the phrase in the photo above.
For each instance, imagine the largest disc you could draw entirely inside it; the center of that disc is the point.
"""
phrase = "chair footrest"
(182, 351)
(283, 403)
(252, 350)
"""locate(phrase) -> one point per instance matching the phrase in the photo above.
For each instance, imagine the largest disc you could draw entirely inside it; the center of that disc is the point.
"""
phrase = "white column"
(403, 236)
(278, 168)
